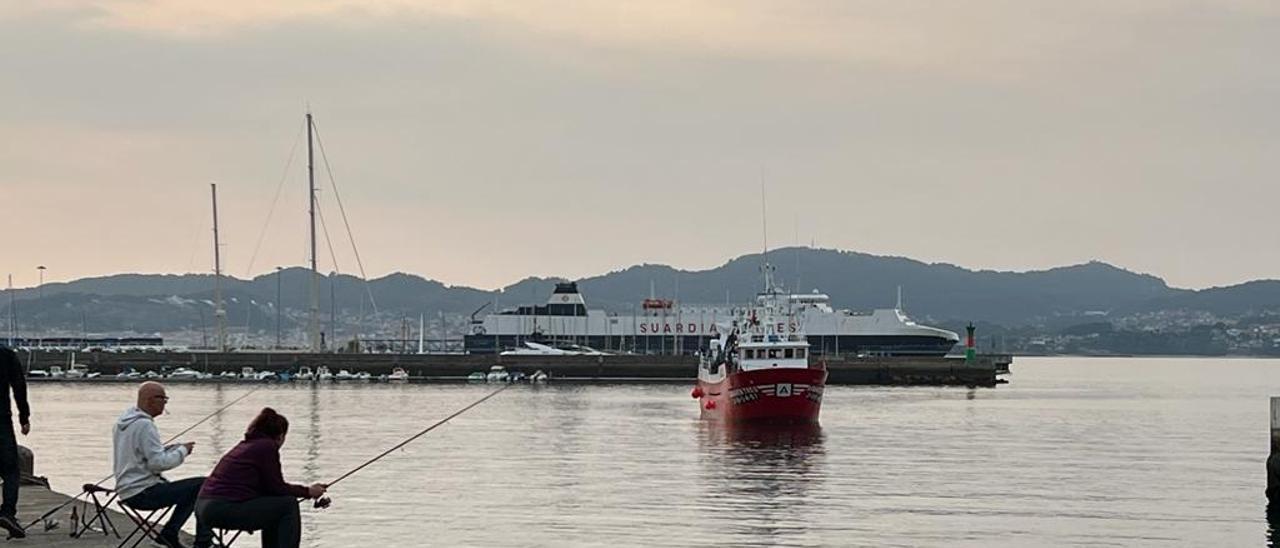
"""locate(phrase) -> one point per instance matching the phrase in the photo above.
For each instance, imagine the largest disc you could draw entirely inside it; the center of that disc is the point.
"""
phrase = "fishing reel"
(322, 503)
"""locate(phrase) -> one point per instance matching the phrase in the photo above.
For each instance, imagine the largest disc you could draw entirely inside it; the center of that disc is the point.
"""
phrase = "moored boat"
(760, 368)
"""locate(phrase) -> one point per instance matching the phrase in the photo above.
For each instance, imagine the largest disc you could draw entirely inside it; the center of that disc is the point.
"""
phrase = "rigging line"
(418, 435)
(350, 236)
(270, 212)
(166, 442)
(195, 244)
(328, 241)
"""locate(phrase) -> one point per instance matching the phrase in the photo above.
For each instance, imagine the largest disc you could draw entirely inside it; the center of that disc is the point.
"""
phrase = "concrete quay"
(34, 501)
(983, 371)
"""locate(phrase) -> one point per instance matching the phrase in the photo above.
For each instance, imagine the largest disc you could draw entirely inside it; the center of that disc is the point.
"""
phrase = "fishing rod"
(324, 502)
(166, 442)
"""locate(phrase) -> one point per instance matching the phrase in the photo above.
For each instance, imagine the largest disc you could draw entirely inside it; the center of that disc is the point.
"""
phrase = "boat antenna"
(219, 313)
(764, 224)
(899, 307)
(797, 287)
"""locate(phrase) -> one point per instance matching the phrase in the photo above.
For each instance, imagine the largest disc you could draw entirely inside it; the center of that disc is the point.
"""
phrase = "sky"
(479, 143)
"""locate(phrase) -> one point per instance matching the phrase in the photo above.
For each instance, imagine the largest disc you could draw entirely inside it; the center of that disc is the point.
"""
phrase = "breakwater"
(983, 371)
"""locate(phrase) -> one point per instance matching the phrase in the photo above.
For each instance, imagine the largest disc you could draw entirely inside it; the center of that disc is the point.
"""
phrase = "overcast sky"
(479, 143)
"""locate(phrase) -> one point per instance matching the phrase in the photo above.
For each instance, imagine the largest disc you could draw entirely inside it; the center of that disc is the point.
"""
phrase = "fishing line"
(323, 502)
(166, 442)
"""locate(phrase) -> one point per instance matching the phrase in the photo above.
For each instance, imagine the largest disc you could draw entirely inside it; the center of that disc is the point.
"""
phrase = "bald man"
(140, 457)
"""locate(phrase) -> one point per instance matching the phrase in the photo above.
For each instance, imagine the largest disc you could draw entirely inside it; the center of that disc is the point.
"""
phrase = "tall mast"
(13, 315)
(219, 314)
(314, 319)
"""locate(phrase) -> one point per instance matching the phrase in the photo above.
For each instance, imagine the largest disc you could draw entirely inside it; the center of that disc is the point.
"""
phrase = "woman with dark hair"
(246, 491)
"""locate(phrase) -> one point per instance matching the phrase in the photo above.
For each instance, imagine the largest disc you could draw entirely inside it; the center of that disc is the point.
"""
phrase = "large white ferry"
(666, 327)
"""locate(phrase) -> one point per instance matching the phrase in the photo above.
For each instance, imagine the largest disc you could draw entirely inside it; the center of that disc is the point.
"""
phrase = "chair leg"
(147, 526)
(103, 518)
(99, 516)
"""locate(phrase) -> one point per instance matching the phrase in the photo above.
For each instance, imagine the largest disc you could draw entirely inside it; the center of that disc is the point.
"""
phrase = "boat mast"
(13, 315)
(219, 314)
(313, 322)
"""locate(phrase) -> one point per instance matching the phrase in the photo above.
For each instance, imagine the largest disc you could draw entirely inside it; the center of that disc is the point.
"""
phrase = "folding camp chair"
(226, 537)
(148, 524)
(97, 514)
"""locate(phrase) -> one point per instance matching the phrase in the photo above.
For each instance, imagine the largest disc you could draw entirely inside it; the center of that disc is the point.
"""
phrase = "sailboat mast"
(313, 323)
(13, 315)
(219, 314)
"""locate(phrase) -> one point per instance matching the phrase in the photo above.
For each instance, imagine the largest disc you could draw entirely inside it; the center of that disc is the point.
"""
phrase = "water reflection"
(311, 462)
(765, 471)
(217, 433)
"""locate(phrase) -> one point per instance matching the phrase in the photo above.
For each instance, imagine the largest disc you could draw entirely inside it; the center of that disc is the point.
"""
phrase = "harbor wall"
(983, 371)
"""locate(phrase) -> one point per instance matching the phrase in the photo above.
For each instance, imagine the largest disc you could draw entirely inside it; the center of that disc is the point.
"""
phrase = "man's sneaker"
(12, 526)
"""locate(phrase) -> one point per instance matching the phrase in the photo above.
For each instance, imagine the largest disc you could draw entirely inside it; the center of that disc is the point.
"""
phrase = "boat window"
(773, 353)
(788, 354)
(800, 353)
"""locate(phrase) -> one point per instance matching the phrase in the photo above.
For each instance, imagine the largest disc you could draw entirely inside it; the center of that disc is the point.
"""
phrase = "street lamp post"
(279, 271)
(41, 270)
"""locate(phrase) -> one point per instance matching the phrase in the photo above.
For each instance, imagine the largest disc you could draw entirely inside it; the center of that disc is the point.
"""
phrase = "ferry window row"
(773, 353)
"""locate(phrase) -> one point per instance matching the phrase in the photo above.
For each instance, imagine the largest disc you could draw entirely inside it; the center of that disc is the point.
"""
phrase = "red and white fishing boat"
(759, 370)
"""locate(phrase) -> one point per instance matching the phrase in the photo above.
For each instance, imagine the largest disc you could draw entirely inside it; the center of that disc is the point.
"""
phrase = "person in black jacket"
(11, 378)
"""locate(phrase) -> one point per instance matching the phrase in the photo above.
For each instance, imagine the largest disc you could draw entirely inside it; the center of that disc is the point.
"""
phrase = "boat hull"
(782, 395)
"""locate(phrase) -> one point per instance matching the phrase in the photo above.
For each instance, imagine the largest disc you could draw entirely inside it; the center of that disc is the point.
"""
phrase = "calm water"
(1104, 452)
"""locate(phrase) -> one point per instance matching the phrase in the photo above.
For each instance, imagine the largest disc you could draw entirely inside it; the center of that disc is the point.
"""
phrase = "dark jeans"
(181, 495)
(277, 517)
(9, 467)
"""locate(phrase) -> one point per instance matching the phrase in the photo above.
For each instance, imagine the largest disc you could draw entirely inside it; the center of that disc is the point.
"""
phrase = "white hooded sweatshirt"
(140, 456)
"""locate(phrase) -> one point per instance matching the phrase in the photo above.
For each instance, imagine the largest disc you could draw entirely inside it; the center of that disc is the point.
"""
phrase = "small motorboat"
(478, 376)
(364, 376)
(304, 374)
(497, 373)
(265, 376)
(344, 375)
(248, 373)
(518, 376)
(184, 374)
(398, 375)
(323, 374)
(539, 377)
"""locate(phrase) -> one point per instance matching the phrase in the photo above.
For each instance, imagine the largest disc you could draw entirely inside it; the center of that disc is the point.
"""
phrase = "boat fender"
(711, 404)
(696, 393)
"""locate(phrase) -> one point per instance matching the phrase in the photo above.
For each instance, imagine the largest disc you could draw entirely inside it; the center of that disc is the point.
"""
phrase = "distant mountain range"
(942, 294)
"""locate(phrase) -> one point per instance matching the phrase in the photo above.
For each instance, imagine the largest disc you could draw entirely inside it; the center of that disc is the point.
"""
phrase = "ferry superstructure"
(663, 326)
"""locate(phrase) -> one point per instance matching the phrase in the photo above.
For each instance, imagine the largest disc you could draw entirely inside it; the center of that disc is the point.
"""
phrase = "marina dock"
(984, 370)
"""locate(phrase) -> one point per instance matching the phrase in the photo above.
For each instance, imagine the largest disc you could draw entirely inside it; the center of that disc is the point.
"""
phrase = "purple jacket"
(250, 470)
